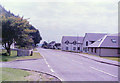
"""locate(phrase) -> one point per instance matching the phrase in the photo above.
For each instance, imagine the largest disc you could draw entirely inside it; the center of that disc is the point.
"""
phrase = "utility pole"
(77, 42)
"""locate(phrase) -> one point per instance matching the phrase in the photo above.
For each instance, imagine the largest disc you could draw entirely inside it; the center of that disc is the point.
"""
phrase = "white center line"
(51, 70)
(103, 71)
(49, 66)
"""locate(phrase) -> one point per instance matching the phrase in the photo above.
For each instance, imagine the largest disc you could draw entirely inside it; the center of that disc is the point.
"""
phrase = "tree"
(8, 33)
(16, 29)
(36, 37)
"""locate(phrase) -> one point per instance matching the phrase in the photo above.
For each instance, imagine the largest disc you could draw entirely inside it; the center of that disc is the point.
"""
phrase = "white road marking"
(49, 66)
(52, 70)
(103, 71)
(77, 62)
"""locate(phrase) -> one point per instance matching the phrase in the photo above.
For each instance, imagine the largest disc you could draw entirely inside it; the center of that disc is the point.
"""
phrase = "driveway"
(68, 66)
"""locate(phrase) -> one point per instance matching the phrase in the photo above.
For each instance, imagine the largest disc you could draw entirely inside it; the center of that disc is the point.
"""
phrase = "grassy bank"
(110, 58)
(34, 49)
(9, 74)
(14, 56)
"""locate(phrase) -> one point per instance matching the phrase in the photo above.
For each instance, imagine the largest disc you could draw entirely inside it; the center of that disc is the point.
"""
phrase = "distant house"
(108, 45)
(57, 46)
(90, 38)
(51, 45)
(72, 43)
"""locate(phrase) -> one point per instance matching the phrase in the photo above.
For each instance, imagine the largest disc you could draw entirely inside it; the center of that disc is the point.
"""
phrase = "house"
(108, 45)
(72, 43)
(51, 45)
(57, 46)
(90, 38)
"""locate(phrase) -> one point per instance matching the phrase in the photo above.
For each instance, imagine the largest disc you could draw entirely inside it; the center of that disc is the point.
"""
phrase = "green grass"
(14, 56)
(34, 49)
(110, 58)
(9, 74)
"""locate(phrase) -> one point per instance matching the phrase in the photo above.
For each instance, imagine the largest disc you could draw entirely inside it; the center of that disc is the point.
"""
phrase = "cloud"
(55, 19)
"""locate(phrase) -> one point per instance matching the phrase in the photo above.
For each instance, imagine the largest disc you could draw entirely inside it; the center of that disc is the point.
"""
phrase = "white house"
(108, 45)
(89, 39)
(72, 43)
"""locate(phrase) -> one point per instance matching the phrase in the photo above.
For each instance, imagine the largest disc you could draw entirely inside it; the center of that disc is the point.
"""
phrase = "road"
(69, 66)
(73, 67)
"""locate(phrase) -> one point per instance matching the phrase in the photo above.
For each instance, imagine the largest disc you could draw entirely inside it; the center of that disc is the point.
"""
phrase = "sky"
(57, 18)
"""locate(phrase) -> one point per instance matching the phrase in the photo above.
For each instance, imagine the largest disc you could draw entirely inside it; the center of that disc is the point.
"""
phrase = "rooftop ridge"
(102, 40)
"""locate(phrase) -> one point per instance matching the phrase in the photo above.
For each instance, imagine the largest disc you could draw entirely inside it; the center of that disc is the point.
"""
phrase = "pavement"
(69, 66)
(102, 60)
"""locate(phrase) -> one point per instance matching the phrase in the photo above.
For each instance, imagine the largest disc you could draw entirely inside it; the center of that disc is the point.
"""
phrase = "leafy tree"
(36, 37)
(8, 33)
(16, 29)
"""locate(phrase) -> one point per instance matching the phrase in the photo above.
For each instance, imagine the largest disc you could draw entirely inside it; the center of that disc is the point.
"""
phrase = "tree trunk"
(8, 49)
(35, 44)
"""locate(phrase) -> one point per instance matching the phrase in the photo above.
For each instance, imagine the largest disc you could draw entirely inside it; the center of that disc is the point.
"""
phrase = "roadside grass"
(110, 58)
(34, 49)
(14, 56)
(10, 74)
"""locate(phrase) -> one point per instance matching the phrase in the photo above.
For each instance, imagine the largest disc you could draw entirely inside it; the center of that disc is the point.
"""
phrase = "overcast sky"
(57, 18)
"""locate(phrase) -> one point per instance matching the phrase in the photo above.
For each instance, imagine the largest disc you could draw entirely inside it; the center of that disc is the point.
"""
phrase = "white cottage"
(72, 43)
(89, 39)
(106, 46)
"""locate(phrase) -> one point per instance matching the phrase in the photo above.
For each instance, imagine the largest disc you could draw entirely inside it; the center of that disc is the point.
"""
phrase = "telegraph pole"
(77, 42)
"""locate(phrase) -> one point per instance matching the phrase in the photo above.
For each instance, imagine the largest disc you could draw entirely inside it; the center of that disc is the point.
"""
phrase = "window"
(74, 48)
(92, 42)
(95, 50)
(91, 49)
(86, 43)
(78, 48)
(85, 49)
(113, 40)
(118, 50)
(66, 48)
(74, 42)
(67, 42)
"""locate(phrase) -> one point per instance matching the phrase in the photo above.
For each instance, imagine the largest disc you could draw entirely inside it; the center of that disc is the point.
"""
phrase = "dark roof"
(94, 36)
(52, 42)
(72, 39)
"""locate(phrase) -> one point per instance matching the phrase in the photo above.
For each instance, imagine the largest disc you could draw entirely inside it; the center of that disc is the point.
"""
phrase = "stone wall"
(21, 52)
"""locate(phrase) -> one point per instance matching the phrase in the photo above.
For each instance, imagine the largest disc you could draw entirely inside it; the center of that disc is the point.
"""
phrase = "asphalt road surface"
(68, 66)
(73, 67)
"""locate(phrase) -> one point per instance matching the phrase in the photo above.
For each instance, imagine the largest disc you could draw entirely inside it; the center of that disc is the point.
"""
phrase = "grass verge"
(110, 58)
(9, 74)
(14, 56)
(34, 49)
